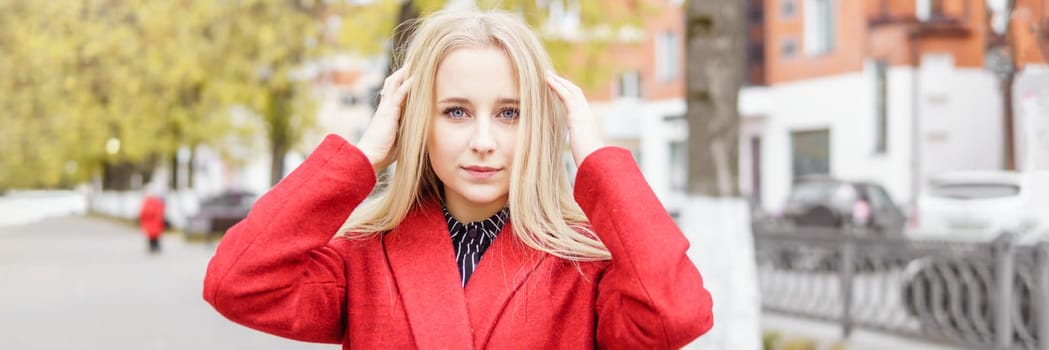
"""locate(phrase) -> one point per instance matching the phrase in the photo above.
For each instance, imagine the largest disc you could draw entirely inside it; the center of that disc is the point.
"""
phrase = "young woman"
(478, 240)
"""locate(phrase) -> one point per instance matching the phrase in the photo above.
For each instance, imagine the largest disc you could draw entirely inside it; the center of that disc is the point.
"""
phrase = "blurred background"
(853, 174)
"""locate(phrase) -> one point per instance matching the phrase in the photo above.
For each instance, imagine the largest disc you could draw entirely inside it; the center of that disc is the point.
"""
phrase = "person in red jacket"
(151, 219)
(478, 240)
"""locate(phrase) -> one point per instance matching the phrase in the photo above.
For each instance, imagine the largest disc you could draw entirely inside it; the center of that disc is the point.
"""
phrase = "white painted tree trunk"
(723, 249)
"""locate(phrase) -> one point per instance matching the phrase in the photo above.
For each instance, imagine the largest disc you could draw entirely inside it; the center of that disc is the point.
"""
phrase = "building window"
(788, 8)
(788, 47)
(667, 56)
(881, 111)
(819, 26)
(755, 53)
(810, 152)
(679, 166)
(348, 99)
(564, 16)
(929, 9)
(755, 12)
(630, 84)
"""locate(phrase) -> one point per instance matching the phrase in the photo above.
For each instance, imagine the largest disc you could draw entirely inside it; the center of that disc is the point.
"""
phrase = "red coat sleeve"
(652, 295)
(276, 271)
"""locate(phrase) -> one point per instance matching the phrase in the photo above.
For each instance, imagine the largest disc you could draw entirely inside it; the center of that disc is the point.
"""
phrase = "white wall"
(961, 118)
(651, 125)
(178, 206)
(842, 104)
(959, 112)
(22, 207)
(1031, 111)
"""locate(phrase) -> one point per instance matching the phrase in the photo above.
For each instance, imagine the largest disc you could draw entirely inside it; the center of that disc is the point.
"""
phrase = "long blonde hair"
(547, 220)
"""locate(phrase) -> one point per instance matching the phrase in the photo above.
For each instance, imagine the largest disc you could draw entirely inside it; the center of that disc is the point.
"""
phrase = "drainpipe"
(1008, 78)
(915, 120)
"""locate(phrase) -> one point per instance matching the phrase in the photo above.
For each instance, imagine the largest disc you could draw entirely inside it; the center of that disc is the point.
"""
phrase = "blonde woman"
(478, 241)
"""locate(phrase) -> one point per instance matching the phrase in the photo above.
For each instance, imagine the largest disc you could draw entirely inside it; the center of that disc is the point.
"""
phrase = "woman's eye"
(455, 112)
(509, 113)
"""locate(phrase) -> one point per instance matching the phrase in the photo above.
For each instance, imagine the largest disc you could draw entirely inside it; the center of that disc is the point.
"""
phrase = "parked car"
(826, 202)
(220, 212)
(980, 205)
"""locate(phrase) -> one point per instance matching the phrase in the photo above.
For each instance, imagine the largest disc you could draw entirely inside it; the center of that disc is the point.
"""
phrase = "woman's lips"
(480, 172)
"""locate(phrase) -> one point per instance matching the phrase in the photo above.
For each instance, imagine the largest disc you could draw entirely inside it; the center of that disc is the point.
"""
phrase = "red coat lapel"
(423, 263)
(504, 267)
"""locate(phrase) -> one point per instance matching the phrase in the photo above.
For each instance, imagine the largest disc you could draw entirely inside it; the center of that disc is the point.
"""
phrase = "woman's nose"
(482, 140)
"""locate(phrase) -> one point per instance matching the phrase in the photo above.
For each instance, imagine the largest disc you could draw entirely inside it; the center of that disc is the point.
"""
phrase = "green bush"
(799, 344)
(770, 339)
(774, 340)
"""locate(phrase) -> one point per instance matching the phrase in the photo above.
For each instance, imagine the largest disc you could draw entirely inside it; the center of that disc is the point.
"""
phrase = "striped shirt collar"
(490, 226)
(471, 240)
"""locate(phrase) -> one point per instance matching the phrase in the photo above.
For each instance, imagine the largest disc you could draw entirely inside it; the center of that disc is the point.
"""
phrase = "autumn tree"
(577, 45)
(101, 88)
(113, 88)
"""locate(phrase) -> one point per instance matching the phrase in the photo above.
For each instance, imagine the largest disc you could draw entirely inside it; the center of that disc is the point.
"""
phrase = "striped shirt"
(471, 240)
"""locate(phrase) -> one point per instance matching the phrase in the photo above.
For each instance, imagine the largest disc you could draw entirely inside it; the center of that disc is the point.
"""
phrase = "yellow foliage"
(160, 74)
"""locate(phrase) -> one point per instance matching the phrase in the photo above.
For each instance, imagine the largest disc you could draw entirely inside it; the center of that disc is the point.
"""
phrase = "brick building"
(889, 91)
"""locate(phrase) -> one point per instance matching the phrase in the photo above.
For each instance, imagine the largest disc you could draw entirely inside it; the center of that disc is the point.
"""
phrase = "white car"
(980, 205)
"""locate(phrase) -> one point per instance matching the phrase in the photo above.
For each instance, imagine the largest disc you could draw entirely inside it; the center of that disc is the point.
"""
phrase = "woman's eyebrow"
(455, 100)
(460, 100)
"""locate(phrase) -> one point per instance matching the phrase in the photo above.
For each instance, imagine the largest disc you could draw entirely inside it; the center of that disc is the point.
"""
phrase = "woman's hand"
(584, 133)
(380, 139)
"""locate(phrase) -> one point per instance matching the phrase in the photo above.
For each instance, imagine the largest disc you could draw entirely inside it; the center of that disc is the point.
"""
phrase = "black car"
(832, 203)
(220, 212)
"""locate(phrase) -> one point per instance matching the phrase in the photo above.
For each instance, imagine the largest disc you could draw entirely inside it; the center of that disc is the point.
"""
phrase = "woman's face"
(474, 130)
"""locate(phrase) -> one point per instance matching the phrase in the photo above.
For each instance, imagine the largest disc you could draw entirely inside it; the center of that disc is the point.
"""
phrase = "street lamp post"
(1000, 62)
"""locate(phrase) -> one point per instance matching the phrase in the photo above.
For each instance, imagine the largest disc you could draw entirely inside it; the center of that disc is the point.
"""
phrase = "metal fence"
(992, 295)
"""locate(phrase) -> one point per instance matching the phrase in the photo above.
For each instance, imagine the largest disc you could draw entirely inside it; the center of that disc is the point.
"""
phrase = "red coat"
(279, 270)
(151, 216)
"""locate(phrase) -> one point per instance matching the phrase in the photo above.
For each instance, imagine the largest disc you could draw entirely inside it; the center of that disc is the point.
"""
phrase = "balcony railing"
(942, 13)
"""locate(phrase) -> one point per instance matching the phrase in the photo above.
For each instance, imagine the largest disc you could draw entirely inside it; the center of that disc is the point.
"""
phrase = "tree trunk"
(278, 149)
(401, 34)
(715, 73)
(174, 178)
(191, 166)
(394, 58)
(714, 218)
(278, 116)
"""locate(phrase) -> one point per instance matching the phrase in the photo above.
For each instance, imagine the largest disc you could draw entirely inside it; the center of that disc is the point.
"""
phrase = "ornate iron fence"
(992, 295)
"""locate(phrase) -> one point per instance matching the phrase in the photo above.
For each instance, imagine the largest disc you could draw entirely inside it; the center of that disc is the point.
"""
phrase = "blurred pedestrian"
(478, 241)
(151, 218)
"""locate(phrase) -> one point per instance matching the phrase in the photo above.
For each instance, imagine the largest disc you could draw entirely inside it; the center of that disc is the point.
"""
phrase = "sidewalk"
(828, 334)
(85, 282)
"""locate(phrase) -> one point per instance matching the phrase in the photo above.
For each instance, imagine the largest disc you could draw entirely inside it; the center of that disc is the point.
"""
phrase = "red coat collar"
(440, 312)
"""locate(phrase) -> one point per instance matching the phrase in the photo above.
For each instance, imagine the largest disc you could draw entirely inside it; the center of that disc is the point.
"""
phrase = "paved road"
(84, 283)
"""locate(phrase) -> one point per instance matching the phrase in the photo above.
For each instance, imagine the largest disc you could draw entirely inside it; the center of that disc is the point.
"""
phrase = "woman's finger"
(574, 90)
(571, 96)
(392, 82)
(391, 86)
(399, 95)
(559, 88)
